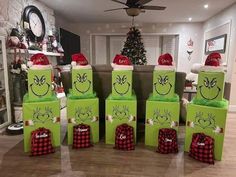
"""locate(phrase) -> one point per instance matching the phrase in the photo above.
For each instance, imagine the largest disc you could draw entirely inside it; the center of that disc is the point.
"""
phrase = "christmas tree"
(134, 48)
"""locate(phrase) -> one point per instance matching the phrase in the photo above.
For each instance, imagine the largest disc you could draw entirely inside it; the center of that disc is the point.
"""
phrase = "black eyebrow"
(214, 79)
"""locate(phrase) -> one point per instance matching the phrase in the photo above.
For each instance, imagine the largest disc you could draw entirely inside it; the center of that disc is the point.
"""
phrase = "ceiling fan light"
(133, 11)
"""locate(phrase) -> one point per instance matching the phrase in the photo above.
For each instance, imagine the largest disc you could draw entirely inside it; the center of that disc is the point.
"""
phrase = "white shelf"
(5, 84)
(3, 109)
(2, 89)
(32, 52)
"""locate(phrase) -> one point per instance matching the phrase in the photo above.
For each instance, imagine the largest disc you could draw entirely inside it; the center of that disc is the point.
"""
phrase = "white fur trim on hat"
(165, 67)
(122, 67)
(38, 67)
(212, 68)
(81, 66)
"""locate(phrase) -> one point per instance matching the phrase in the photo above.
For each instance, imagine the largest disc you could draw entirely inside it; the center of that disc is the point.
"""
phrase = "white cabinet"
(5, 106)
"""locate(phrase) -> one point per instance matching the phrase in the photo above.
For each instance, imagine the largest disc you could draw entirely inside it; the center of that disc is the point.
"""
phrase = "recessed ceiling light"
(190, 19)
(206, 6)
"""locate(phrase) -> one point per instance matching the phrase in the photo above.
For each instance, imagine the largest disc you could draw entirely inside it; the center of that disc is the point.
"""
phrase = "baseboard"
(232, 108)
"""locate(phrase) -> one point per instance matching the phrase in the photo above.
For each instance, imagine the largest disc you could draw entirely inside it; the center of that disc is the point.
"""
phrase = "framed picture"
(216, 44)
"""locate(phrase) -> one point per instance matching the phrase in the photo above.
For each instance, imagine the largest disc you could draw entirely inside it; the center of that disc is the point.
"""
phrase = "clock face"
(35, 24)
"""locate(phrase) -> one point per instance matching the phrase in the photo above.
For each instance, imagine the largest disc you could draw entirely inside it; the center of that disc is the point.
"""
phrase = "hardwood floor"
(102, 160)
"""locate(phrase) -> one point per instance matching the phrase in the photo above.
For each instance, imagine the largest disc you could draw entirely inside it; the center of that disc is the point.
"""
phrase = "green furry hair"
(175, 98)
(132, 97)
(27, 100)
(218, 104)
(86, 96)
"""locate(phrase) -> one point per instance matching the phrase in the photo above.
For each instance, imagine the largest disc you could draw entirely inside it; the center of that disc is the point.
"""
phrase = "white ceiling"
(177, 10)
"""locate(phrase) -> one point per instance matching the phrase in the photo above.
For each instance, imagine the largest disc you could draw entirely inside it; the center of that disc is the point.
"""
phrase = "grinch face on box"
(82, 83)
(42, 115)
(40, 87)
(120, 112)
(83, 114)
(161, 117)
(121, 86)
(209, 90)
(162, 86)
(205, 121)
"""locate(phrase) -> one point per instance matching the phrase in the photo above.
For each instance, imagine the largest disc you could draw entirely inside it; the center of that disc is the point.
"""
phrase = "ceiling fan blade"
(153, 7)
(119, 2)
(113, 9)
(142, 2)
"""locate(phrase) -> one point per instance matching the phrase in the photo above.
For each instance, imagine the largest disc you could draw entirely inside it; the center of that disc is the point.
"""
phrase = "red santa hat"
(39, 61)
(121, 62)
(165, 62)
(213, 63)
(79, 61)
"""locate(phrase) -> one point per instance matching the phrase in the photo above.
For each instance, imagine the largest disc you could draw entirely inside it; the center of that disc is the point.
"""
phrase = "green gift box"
(83, 111)
(119, 112)
(41, 114)
(210, 86)
(164, 83)
(82, 82)
(208, 120)
(159, 115)
(122, 83)
(39, 83)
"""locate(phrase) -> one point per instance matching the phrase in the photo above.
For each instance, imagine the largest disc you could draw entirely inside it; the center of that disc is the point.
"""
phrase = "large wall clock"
(34, 24)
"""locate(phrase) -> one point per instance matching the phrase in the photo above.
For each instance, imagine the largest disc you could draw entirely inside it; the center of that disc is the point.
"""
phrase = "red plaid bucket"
(41, 143)
(167, 141)
(81, 136)
(124, 139)
(202, 148)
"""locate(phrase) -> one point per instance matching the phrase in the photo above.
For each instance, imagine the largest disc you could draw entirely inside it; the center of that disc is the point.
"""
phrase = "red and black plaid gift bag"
(167, 141)
(202, 148)
(81, 136)
(41, 143)
(124, 138)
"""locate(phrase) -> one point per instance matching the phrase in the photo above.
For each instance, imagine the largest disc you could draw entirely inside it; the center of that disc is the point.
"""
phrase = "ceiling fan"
(135, 7)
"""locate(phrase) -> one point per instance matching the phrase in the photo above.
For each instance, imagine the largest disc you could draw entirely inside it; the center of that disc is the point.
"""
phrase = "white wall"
(185, 31)
(105, 47)
(100, 52)
(11, 12)
(221, 18)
